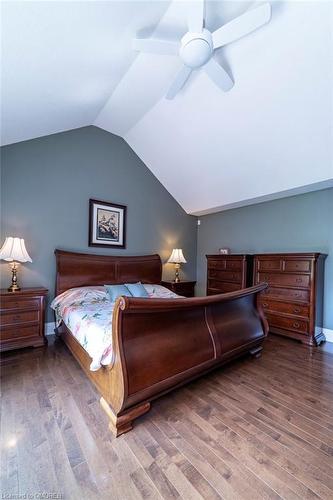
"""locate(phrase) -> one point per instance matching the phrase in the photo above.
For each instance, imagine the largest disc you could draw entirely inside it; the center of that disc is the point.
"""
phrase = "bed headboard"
(83, 269)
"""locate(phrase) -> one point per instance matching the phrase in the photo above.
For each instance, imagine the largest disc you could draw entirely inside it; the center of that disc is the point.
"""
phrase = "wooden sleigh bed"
(158, 344)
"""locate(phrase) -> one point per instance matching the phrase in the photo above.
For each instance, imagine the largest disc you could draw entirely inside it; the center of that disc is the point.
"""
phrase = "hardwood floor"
(257, 428)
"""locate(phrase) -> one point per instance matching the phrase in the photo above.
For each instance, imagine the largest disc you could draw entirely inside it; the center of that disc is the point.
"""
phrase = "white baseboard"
(49, 328)
(328, 334)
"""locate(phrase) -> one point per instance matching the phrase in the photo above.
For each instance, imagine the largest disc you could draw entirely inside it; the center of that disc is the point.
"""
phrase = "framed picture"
(224, 251)
(107, 224)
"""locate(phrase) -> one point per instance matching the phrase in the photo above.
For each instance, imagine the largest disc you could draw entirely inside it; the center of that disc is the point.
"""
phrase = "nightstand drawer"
(22, 316)
(13, 318)
(19, 332)
(19, 303)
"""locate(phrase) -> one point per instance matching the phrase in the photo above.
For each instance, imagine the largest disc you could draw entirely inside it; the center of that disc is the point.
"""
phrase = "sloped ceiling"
(61, 60)
(70, 64)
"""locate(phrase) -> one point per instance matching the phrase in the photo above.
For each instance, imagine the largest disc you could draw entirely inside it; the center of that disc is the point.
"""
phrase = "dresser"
(22, 318)
(184, 288)
(293, 302)
(227, 273)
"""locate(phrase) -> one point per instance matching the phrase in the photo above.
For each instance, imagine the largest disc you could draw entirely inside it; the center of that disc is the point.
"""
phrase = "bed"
(157, 344)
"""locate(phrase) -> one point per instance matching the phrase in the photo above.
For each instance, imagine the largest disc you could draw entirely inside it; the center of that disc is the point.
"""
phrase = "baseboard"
(49, 328)
(328, 334)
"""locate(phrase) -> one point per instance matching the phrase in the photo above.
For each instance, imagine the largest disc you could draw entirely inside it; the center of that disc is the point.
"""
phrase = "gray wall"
(46, 186)
(47, 182)
(295, 224)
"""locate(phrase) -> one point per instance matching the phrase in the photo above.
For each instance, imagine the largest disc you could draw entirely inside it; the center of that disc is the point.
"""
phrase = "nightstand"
(185, 288)
(22, 318)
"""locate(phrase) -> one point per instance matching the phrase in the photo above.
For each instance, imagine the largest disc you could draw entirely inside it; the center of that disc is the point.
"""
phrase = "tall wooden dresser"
(293, 302)
(227, 273)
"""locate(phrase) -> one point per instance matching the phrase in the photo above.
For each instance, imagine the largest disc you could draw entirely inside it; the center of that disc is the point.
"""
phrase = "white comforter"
(87, 313)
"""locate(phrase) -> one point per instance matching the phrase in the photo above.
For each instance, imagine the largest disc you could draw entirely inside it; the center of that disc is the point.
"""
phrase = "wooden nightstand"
(22, 318)
(185, 288)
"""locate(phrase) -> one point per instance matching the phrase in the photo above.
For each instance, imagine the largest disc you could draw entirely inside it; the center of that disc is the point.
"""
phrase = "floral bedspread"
(87, 313)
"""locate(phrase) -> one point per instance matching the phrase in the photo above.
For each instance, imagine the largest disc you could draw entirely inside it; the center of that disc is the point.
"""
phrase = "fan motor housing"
(196, 48)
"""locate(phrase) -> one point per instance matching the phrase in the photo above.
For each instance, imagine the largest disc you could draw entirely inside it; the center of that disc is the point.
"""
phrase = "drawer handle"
(264, 304)
(296, 324)
(299, 280)
(296, 310)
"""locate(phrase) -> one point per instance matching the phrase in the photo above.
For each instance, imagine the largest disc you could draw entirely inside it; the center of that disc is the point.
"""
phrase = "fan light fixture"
(197, 46)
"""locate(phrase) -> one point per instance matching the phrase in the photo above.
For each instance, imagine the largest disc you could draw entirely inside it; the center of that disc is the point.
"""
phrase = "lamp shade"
(14, 249)
(177, 256)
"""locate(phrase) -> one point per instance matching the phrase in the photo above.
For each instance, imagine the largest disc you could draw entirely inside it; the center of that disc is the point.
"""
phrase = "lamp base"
(14, 286)
(177, 268)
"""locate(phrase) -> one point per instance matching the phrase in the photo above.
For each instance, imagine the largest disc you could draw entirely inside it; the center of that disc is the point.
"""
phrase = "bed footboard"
(160, 344)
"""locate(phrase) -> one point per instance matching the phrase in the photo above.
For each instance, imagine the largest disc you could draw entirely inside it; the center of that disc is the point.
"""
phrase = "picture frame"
(107, 224)
(224, 251)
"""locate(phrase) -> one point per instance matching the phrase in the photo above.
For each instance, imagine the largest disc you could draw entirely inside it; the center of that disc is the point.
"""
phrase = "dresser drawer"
(215, 287)
(296, 325)
(284, 307)
(225, 275)
(288, 293)
(302, 280)
(12, 318)
(217, 264)
(269, 265)
(297, 265)
(15, 303)
(19, 332)
(234, 265)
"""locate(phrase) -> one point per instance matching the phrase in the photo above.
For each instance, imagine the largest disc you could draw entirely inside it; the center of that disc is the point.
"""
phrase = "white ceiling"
(61, 60)
(70, 64)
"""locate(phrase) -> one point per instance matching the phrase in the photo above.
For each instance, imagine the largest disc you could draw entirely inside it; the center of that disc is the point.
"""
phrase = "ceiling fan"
(197, 46)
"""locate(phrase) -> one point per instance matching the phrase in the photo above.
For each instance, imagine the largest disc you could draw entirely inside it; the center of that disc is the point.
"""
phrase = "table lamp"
(13, 250)
(177, 258)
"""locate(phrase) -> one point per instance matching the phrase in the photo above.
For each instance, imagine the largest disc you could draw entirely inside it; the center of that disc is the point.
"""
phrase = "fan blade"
(179, 82)
(242, 25)
(196, 16)
(152, 46)
(219, 75)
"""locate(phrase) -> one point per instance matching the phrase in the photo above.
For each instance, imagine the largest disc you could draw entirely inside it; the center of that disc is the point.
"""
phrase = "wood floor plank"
(255, 407)
(259, 463)
(307, 473)
(254, 429)
(276, 434)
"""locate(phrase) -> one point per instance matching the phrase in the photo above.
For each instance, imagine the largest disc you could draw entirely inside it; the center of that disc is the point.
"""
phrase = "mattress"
(87, 313)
